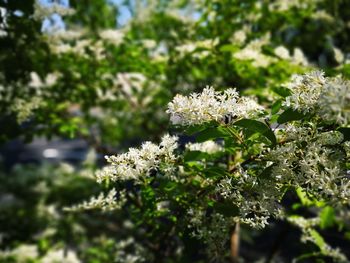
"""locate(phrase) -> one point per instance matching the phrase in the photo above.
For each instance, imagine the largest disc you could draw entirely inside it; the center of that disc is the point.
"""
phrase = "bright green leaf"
(327, 217)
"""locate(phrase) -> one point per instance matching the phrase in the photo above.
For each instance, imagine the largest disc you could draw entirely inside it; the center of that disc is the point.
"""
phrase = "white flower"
(140, 162)
(285, 5)
(329, 98)
(25, 253)
(106, 202)
(282, 52)
(60, 256)
(311, 160)
(80, 48)
(253, 52)
(24, 108)
(42, 11)
(299, 57)
(210, 105)
(306, 90)
(190, 47)
(239, 37)
(113, 36)
(209, 147)
(334, 101)
(338, 55)
(330, 138)
(65, 34)
(258, 59)
(323, 15)
(149, 43)
(37, 82)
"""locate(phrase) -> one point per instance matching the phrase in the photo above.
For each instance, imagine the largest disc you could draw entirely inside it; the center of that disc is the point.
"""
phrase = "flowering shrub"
(301, 146)
(262, 149)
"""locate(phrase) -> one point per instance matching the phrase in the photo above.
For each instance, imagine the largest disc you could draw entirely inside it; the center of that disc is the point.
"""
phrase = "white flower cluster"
(329, 98)
(66, 34)
(239, 37)
(297, 58)
(3, 23)
(23, 253)
(59, 256)
(108, 202)
(322, 174)
(25, 107)
(211, 105)
(213, 230)
(138, 162)
(286, 5)
(37, 82)
(334, 101)
(32, 93)
(314, 161)
(199, 49)
(29, 253)
(42, 11)
(209, 147)
(257, 201)
(306, 90)
(112, 36)
(253, 52)
(83, 48)
(132, 87)
(130, 251)
(338, 55)
(282, 52)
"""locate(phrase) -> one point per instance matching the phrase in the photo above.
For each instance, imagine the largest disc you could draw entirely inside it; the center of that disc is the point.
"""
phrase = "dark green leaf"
(276, 107)
(283, 92)
(214, 172)
(266, 172)
(346, 132)
(290, 115)
(211, 134)
(226, 208)
(194, 129)
(191, 130)
(257, 126)
(194, 156)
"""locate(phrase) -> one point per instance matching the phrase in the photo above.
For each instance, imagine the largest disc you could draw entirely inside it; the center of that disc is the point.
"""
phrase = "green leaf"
(228, 48)
(195, 128)
(226, 208)
(214, 172)
(265, 174)
(327, 217)
(346, 132)
(303, 198)
(290, 115)
(319, 241)
(283, 92)
(211, 134)
(276, 106)
(257, 126)
(194, 156)
(169, 186)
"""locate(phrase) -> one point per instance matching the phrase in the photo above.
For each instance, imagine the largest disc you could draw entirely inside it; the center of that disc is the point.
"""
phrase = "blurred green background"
(80, 79)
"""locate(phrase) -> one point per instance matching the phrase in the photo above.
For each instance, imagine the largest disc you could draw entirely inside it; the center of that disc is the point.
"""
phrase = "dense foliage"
(254, 94)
